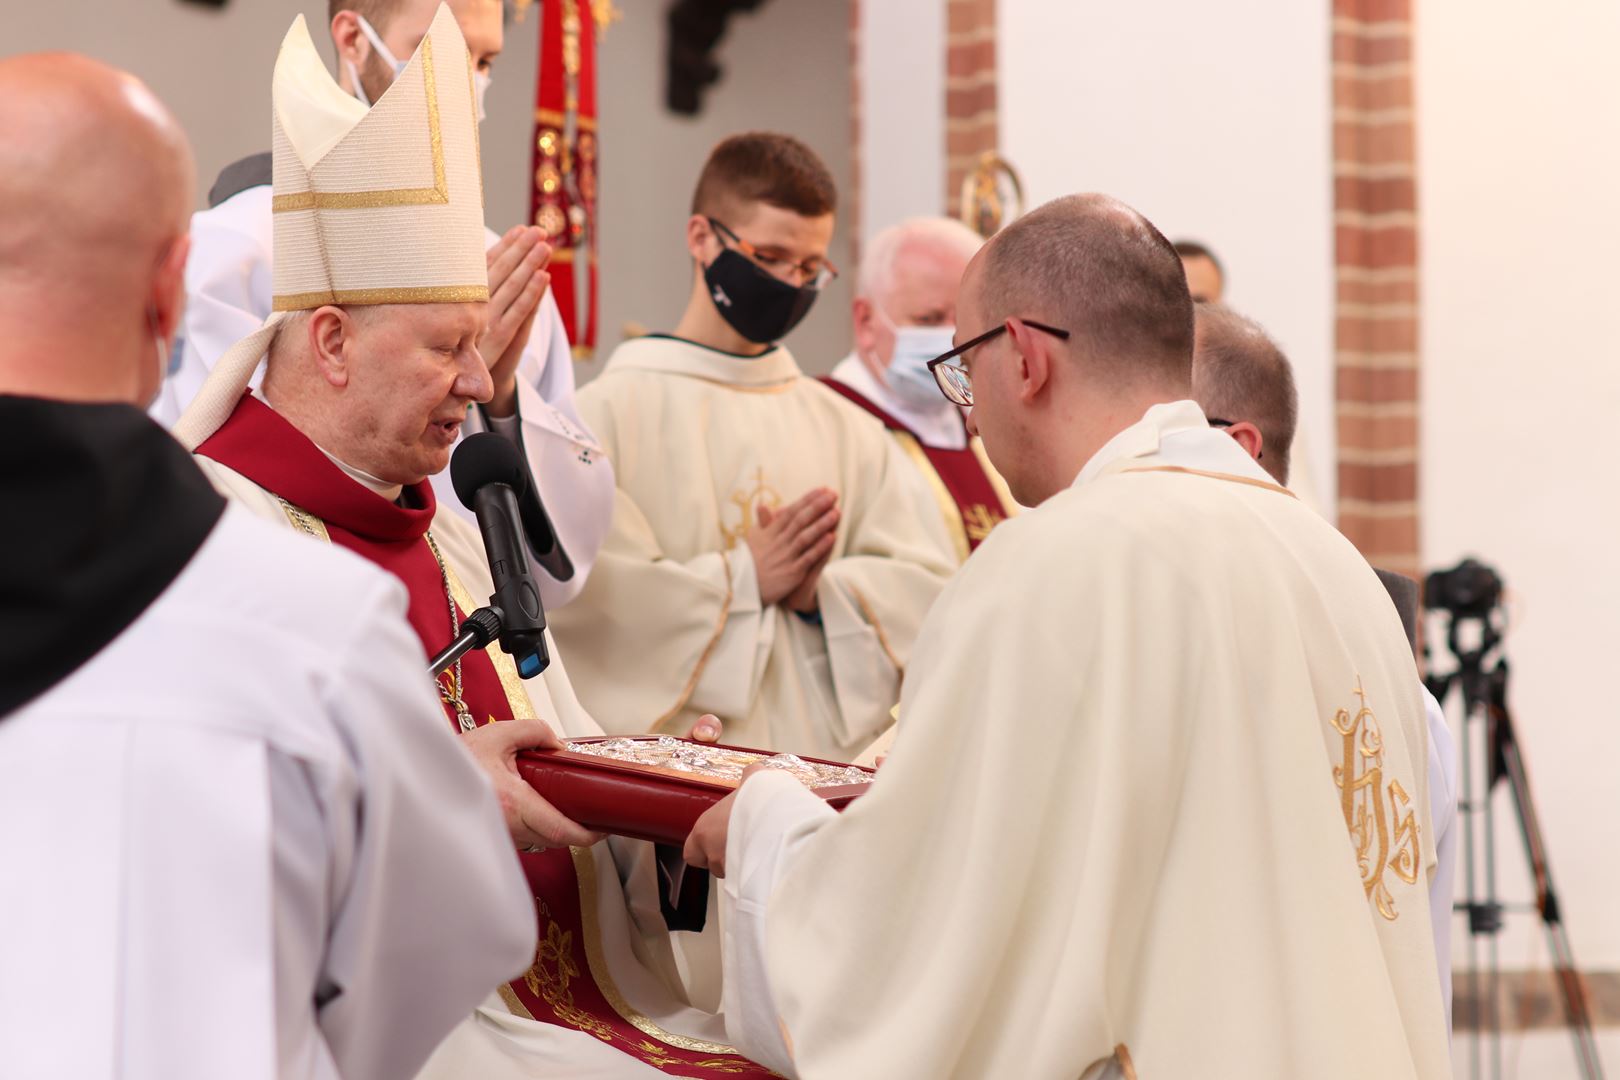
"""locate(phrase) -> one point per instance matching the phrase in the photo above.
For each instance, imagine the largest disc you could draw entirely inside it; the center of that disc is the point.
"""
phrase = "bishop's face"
(415, 370)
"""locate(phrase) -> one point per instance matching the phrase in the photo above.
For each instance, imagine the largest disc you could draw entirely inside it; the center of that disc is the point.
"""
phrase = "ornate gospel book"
(655, 787)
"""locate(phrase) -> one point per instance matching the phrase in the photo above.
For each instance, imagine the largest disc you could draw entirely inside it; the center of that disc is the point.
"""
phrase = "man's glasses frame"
(953, 378)
(814, 274)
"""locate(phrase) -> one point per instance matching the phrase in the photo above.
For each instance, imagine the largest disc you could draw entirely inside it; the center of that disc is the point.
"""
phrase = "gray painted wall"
(786, 67)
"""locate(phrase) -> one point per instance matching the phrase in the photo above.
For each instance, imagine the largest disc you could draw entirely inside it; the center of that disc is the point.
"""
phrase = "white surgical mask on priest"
(906, 374)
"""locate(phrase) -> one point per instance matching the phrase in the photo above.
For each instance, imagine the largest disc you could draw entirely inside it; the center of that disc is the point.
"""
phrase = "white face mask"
(907, 375)
(387, 57)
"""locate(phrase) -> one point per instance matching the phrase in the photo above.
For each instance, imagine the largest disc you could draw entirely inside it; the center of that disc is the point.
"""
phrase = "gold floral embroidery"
(1360, 780)
(979, 519)
(747, 504)
(555, 968)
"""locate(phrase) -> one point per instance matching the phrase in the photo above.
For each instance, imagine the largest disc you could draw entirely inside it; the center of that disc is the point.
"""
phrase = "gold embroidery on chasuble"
(745, 503)
(978, 520)
(1370, 807)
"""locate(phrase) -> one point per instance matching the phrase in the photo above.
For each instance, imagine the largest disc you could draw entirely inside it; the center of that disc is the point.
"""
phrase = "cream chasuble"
(618, 877)
(670, 625)
(1159, 785)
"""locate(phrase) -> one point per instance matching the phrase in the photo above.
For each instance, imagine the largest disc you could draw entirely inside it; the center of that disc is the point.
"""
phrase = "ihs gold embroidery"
(1360, 779)
(747, 504)
(978, 520)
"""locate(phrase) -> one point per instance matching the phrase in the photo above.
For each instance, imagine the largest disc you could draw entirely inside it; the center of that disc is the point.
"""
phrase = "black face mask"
(758, 306)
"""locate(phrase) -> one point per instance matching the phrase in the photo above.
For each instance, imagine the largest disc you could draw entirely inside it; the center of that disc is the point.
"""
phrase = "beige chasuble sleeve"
(1158, 785)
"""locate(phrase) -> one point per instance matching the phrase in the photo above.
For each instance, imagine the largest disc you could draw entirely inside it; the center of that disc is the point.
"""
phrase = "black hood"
(103, 509)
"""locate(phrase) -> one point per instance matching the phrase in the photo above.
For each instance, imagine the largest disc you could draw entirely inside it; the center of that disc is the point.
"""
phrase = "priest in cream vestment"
(380, 283)
(713, 431)
(1158, 803)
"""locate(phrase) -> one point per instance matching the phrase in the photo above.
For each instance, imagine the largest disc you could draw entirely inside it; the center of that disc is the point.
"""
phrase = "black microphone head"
(483, 459)
(487, 458)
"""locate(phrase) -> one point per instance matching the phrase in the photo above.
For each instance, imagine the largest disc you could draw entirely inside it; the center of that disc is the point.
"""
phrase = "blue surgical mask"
(387, 57)
(908, 376)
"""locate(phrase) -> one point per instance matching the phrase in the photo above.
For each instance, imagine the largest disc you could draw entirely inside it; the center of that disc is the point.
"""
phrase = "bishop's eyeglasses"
(952, 375)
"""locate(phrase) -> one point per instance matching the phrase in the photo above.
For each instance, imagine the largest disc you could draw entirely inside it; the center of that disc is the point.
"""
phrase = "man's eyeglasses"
(813, 273)
(953, 378)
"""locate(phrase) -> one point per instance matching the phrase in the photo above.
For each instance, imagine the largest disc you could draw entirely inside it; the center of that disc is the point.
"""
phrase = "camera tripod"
(1469, 595)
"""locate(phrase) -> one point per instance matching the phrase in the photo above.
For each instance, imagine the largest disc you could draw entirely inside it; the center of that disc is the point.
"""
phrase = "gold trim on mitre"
(381, 205)
(437, 194)
(425, 294)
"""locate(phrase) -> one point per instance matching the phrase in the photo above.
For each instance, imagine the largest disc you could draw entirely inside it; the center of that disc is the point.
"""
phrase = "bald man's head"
(1095, 267)
(97, 181)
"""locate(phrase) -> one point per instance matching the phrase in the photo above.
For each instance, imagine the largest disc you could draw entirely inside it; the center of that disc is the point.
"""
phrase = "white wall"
(786, 69)
(212, 67)
(1214, 121)
(1519, 174)
(902, 74)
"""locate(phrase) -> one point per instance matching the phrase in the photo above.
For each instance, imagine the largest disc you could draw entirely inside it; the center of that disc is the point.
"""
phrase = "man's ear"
(861, 320)
(1032, 354)
(699, 238)
(350, 43)
(331, 343)
(1248, 436)
(169, 288)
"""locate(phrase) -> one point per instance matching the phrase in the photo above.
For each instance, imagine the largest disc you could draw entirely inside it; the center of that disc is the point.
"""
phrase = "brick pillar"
(970, 91)
(1376, 338)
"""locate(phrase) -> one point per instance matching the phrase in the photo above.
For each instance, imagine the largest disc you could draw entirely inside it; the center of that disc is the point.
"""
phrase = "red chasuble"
(562, 987)
(970, 501)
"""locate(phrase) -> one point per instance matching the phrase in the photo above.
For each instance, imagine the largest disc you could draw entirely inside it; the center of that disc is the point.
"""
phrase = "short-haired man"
(772, 553)
(238, 838)
(1243, 382)
(228, 282)
(1158, 801)
(373, 361)
(904, 316)
(1206, 278)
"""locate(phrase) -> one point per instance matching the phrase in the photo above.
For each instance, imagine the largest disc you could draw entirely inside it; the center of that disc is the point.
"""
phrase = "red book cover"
(656, 787)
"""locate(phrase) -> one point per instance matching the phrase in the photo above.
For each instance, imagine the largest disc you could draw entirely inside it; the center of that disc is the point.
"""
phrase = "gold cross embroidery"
(747, 504)
(978, 520)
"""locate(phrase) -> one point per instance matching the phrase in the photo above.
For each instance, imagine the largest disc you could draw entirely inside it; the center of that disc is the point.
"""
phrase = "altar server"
(772, 552)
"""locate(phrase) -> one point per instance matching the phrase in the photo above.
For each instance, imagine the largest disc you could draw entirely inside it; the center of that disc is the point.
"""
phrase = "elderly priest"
(380, 295)
(238, 839)
(1158, 803)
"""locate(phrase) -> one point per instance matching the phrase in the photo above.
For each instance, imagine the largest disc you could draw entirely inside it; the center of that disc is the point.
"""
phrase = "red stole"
(977, 504)
(562, 987)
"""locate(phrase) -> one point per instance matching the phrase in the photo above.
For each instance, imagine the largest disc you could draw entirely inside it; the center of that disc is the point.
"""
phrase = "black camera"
(1468, 590)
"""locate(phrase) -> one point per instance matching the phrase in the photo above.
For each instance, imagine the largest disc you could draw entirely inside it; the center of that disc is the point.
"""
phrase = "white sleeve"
(228, 294)
(1443, 807)
(773, 816)
(569, 467)
(434, 912)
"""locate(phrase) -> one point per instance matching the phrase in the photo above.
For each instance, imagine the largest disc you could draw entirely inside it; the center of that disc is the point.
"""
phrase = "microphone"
(492, 481)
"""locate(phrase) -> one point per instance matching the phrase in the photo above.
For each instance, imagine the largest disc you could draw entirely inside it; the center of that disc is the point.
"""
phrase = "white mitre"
(372, 206)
